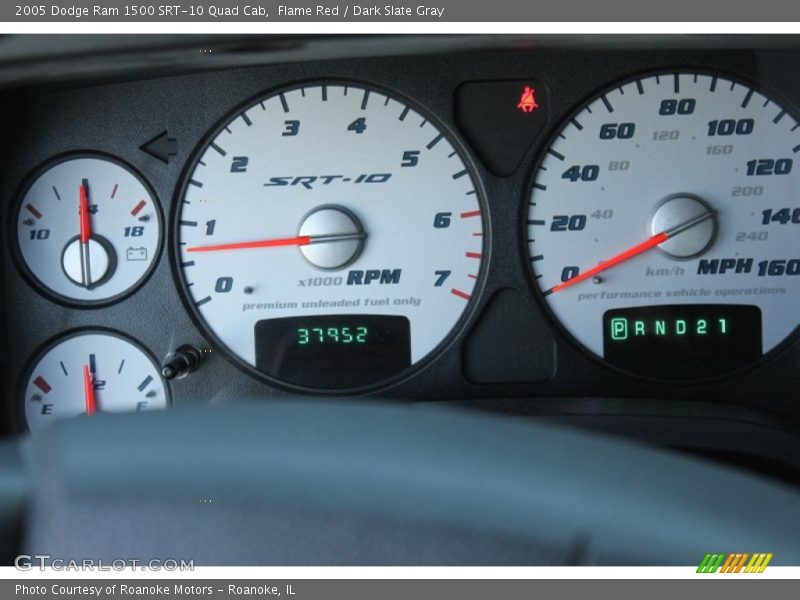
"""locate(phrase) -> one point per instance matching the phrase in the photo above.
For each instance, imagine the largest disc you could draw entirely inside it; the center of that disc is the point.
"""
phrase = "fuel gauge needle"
(85, 234)
(648, 244)
(88, 391)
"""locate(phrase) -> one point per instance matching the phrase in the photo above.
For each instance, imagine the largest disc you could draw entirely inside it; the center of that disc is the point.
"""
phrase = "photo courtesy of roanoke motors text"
(431, 300)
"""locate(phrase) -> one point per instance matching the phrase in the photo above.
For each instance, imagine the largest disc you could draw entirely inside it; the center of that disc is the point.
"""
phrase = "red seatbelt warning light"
(527, 102)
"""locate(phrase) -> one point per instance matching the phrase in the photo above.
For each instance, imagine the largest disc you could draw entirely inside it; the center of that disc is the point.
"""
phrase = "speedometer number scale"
(330, 236)
(664, 225)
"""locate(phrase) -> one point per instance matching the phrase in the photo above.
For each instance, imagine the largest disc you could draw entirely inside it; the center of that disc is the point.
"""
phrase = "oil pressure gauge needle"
(85, 234)
(88, 391)
(649, 243)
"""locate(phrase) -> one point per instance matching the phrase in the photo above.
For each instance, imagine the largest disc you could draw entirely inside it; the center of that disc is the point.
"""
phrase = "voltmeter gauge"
(330, 235)
(88, 372)
(88, 229)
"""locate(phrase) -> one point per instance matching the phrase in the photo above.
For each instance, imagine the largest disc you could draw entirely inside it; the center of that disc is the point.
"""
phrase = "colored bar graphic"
(711, 562)
(734, 562)
(741, 562)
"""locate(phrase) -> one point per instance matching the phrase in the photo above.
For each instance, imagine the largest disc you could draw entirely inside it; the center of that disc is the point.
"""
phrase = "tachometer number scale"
(326, 200)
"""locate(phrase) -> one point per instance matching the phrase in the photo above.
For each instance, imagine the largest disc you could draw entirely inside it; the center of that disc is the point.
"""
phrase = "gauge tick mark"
(218, 149)
(42, 384)
(32, 209)
(138, 208)
(145, 382)
(435, 141)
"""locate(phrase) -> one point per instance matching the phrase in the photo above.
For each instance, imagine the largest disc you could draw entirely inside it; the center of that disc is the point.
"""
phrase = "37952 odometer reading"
(321, 210)
(662, 201)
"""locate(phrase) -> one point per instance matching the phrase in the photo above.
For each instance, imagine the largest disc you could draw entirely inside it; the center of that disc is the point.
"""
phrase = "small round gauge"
(88, 229)
(330, 236)
(88, 372)
(664, 222)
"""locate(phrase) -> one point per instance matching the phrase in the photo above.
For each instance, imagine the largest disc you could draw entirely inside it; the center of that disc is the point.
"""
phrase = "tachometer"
(664, 225)
(330, 236)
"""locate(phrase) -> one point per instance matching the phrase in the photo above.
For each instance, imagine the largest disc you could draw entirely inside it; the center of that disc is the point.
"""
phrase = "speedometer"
(330, 236)
(664, 225)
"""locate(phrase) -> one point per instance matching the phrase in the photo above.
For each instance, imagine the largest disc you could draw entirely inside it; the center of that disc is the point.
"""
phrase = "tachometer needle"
(636, 250)
(85, 234)
(302, 240)
(88, 391)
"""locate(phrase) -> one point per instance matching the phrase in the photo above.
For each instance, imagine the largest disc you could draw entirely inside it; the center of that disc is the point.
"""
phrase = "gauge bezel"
(13, 236)
(20, 420)
(451, 134)
(784, 346)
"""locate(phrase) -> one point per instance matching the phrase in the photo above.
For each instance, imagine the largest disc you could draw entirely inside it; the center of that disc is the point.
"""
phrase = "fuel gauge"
(88, 372)
(88, 229)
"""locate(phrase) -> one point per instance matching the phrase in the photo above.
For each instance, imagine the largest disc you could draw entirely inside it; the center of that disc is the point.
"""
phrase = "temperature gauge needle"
(85, 234)
(636, 250)
(88, 391)
(302, 240)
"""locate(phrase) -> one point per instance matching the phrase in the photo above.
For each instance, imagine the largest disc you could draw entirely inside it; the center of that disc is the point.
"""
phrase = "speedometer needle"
(636, 250)
(88, 391)
(85, 234)
(302, 240)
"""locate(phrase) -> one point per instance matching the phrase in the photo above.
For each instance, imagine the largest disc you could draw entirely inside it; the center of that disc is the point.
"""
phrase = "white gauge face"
(332, 205)
(664, 225)
(88, 373)
(91, 255)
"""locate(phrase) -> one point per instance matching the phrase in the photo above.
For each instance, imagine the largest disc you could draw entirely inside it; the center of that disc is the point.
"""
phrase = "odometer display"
(333, 351)
(670, 190)
(324, 201)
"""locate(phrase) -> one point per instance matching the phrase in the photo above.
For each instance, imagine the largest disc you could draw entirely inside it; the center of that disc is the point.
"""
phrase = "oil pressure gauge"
(88, 372)
(88, 229)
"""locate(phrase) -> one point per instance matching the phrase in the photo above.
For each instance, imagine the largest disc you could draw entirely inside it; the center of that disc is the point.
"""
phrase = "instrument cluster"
(517, 224)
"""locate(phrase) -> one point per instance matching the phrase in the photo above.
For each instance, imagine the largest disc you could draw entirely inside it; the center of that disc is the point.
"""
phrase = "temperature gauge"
(89, 372)
(88, 229)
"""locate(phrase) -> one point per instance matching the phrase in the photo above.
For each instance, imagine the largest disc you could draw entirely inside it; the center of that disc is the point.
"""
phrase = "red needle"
(303, 240)
(88, 391)
(646, 245)
(86, 226)
(651, 242)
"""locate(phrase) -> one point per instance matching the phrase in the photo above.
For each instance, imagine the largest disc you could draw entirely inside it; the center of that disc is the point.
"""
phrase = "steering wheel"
(357, 483)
